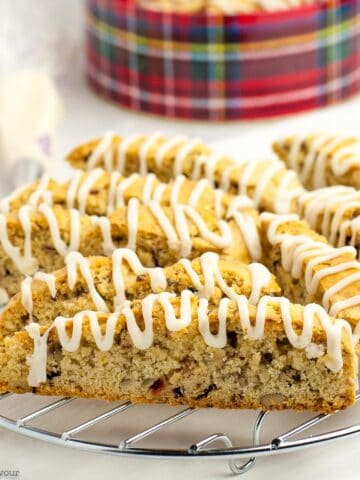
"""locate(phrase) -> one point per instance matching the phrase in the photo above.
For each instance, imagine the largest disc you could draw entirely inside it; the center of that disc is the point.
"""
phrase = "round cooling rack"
(167, 432)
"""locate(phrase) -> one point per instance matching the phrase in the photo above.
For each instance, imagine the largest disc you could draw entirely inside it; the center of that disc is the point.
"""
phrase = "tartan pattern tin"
(223, 67)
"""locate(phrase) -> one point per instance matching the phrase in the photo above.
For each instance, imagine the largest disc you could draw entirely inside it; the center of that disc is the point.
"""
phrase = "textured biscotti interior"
(69, 301)
(295, 287)
(179, 368)
(267, 199)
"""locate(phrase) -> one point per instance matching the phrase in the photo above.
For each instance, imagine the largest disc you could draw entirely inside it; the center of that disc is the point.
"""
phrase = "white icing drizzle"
(73, 188)
(165, 225)
(199, 190)
(59, 245)
(268, 173)
(297, 249)
(123, 148)
(237, 203)
(104, 224)
(122, 187)
(26, 295)
(225, 180)
(324, 151)
(159, 192)
(26, 289)
(24, 217)
(167, 146)
(41, 193)
(205, 165)
(175, 190)
(209, 270)
(132, 222)
(178, 236)
(221, 240)
(219, 211)
(209, 261)
(5, 202)
(25, 262)
(209, 162)
(190, 305)
(75, 260)
(102, 148)
(333, 208)
(157, 275)
(114, 180)
(144, 151)
(185, 150)
(86, 186)
(286, 195)
(148, 187)
(249, 232)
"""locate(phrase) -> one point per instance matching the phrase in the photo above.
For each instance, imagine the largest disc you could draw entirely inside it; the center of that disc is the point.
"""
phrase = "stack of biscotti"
(199, 340)
(156, 296)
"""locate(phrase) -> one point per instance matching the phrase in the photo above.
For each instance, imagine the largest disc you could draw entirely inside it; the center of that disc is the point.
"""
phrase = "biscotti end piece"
(309, 269)
(322, 159)
(179, 367)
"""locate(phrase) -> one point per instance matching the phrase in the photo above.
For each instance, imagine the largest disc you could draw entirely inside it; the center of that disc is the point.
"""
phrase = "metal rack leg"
(216, 437)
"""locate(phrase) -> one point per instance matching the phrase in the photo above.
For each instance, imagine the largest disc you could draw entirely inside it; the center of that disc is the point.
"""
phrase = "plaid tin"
(223, 67)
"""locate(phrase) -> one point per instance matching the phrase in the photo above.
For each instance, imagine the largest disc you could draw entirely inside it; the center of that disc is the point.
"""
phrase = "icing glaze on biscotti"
(267, 182)
(178, 235)
(203, 283)
(322, 159)
(160, 234)
(179, 316)
(334, 212)
(300, 255)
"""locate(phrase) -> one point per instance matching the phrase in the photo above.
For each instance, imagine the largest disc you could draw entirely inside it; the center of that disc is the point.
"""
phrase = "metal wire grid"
(282, 443)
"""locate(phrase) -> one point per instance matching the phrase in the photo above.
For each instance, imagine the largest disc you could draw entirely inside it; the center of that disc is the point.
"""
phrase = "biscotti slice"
(107, 283)
(100, 193)
(38, 239)
(322, 159)
(267, 182)
(183, 350)
(334, 212)
(309, 269)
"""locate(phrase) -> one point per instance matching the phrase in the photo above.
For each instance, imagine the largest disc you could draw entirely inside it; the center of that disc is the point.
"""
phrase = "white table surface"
(86, 116)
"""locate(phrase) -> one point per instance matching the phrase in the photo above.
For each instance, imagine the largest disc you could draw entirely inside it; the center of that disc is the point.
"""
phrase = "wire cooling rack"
(160, 431)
